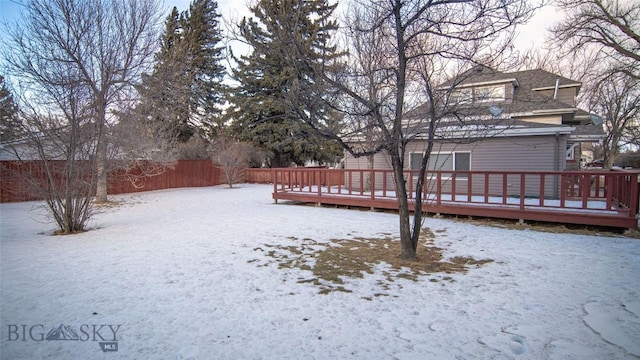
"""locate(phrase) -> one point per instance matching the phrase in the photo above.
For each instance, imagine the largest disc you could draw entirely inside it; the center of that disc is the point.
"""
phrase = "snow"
(184, 275)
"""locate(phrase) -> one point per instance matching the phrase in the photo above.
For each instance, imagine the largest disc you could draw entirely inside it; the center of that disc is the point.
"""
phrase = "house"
(502, 144)
(492, 120)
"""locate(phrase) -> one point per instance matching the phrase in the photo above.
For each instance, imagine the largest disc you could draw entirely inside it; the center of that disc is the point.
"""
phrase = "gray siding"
(533, 153)
(381, 161)
(530, 153)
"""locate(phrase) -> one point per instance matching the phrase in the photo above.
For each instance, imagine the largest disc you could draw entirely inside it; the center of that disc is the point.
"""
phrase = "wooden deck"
(602, 198)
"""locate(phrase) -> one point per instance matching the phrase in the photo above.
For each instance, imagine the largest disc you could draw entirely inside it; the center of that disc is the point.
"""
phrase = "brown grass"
(331, 263)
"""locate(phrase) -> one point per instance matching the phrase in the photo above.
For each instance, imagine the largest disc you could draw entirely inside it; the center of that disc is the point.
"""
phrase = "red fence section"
(185, 173)
(258, 176)
(18, 179)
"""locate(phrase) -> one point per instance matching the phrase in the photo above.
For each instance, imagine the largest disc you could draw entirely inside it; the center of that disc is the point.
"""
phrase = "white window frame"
(491, 93)
(570, 153)
(411, 155)
(453, 162)
(461, 96)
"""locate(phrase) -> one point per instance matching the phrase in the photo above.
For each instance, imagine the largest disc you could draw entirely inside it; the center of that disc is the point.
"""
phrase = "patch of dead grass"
(556, 228)
(331, 264)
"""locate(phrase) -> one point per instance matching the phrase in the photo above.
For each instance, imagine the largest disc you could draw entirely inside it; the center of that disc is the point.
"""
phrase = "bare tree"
(417, 44)
(233, 157)
(59, 134)
(141, 145)
(617, 99)
(608, 31)
(105, 46)
(611, 28)
(582, 65)
(73, 63)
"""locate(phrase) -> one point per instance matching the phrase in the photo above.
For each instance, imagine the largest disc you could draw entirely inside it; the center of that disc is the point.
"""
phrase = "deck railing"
(604, 194)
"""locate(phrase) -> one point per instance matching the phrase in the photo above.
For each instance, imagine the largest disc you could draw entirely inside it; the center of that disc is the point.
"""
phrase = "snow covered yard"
(182, 274)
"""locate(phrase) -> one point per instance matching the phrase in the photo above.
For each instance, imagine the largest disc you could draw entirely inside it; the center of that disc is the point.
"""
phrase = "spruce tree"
(165, 92)
(274, 91)
(203, 37)
(10, 128)
(184, 93)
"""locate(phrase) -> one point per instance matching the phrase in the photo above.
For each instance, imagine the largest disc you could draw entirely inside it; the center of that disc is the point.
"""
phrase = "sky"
(532, 35)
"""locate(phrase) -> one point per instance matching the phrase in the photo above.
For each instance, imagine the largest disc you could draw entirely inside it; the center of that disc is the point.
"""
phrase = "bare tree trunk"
(101, 173)
(407, 249)
(367, 179)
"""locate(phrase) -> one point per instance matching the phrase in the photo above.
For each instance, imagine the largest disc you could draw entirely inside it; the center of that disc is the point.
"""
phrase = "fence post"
(522, 192)
(633, 202)
(274, 179)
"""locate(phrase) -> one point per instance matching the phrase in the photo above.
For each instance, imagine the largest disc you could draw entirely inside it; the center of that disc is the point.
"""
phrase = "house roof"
(542, 79)
(526, 102)
(528, 79)
(451, 129)
(587, 133)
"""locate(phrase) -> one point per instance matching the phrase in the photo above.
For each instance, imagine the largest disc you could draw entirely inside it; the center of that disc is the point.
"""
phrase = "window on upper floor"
(489, 93)
(461, 96)
(478, 94)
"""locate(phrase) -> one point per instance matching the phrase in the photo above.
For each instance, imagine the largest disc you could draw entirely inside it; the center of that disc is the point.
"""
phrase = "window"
(489, 93)
(415, 160)
(453, 161)
(460, 96)
(571, 151)
(462, 161)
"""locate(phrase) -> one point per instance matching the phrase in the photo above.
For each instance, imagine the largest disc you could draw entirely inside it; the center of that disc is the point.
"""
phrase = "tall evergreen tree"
(165, 92)
(184, 93)
(203, 37)
(272, 95)
(9, 124)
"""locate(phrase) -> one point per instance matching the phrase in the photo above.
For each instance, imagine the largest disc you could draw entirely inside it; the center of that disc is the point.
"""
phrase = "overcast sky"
(531, 35)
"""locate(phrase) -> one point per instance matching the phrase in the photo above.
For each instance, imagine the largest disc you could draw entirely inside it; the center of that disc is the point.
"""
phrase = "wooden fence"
(258, 176)
(185, 173)
(14, 175)
(300, 175)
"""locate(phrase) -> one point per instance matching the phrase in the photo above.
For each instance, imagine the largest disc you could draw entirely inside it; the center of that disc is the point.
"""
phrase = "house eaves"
(475, 132)
(559, 87)
(514, 81)
(554, 130)
(587, 133)
(585, 138)
(554, 111)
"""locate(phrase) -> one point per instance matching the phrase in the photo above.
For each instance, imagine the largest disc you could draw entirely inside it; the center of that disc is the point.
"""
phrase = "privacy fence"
(14, 175)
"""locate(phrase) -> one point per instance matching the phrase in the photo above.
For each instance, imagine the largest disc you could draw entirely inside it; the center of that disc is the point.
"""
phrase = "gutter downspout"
(556, 160)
